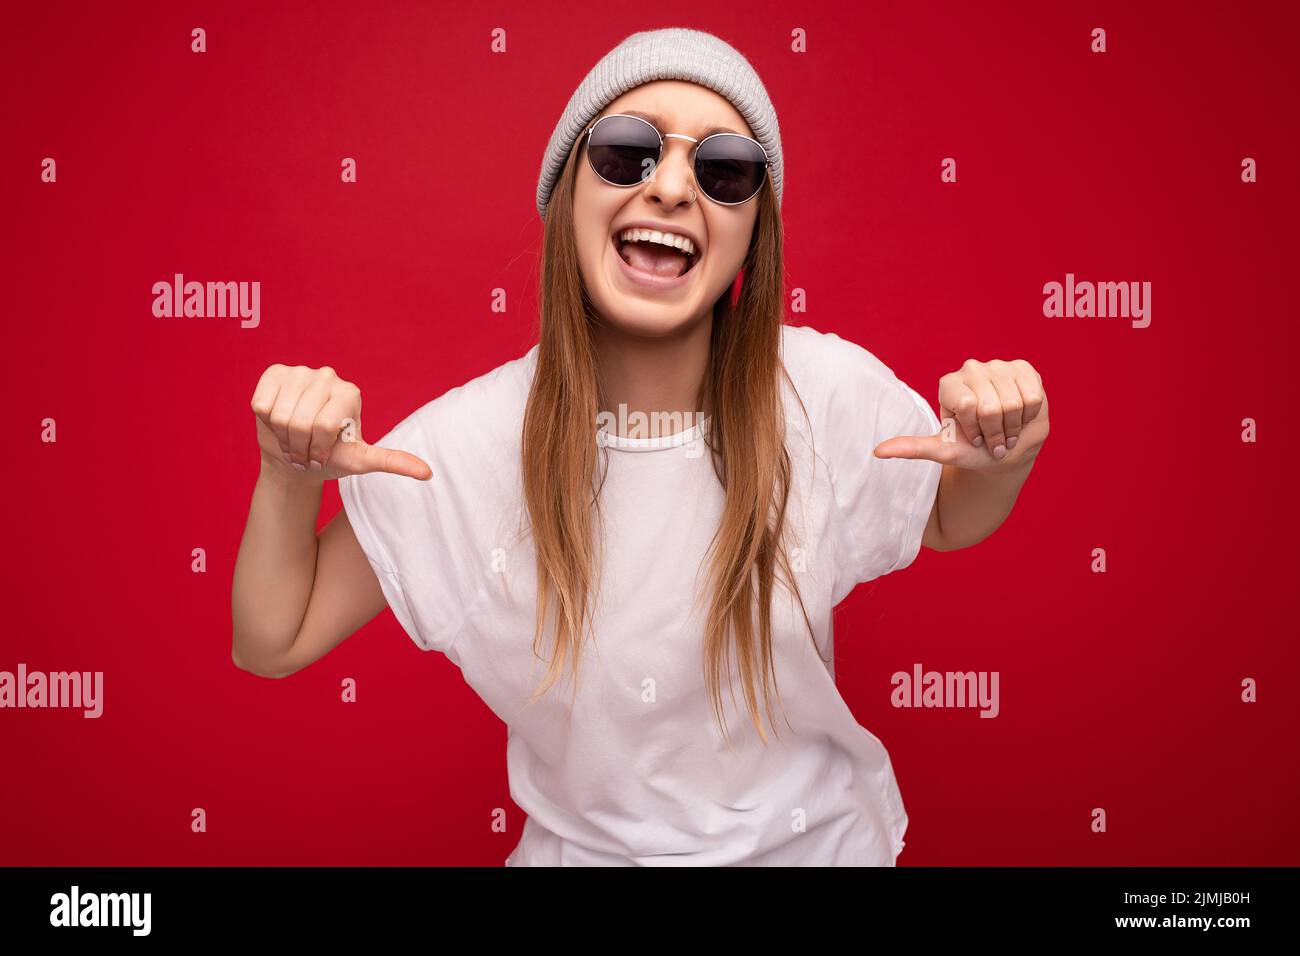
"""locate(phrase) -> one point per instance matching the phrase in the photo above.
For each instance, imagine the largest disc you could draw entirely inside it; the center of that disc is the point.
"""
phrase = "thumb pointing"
(358, 458)
(908, 446)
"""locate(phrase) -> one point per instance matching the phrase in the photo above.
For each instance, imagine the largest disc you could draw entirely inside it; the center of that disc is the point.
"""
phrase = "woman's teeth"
(664, 238)
(657, 253)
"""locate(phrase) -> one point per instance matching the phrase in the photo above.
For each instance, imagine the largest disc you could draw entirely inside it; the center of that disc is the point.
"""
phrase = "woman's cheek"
(723, 269)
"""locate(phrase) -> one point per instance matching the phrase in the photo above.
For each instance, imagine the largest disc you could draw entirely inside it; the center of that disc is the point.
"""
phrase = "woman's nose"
(673, 179)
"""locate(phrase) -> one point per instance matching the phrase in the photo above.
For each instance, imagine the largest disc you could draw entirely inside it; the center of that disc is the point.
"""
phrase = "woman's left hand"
(994, 419)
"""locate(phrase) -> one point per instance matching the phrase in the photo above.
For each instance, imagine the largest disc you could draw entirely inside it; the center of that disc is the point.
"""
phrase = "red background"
(1119, 690)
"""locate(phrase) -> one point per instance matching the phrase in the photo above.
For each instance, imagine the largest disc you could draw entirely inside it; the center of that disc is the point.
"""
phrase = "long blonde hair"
(746, 438)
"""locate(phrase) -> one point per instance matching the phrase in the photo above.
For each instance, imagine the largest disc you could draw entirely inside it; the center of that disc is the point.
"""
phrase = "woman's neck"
(658, 378)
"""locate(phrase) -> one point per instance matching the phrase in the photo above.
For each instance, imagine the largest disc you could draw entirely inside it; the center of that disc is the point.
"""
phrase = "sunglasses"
(625, 150)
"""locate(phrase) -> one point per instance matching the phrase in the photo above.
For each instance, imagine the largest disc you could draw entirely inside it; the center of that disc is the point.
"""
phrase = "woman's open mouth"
(659, 263)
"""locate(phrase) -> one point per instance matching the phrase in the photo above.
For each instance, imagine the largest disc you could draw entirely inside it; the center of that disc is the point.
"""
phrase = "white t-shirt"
(636, 772)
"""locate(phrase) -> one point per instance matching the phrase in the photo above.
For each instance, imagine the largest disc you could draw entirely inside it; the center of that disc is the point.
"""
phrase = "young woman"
(630, 538)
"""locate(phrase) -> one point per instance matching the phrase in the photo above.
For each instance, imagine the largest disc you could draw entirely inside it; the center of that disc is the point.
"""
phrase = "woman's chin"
(631, 317)
(641, 308)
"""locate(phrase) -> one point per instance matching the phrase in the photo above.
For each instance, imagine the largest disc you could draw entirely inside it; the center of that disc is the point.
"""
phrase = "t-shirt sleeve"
(417, 535)
(882, 505)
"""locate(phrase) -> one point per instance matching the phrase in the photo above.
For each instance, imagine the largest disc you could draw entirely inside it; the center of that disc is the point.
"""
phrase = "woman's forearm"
(276, 566)
(971, 505)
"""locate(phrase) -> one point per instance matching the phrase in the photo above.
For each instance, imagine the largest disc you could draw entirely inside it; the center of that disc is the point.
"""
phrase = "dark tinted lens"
(623, 150)
(730, 168)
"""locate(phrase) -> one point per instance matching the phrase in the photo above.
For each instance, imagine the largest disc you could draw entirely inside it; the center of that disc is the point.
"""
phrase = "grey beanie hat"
(675, 53)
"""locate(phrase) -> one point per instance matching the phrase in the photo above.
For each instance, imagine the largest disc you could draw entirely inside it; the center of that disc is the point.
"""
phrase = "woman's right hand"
(309, 425)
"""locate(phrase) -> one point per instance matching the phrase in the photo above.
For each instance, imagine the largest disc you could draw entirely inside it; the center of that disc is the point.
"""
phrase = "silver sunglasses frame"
(767, 160)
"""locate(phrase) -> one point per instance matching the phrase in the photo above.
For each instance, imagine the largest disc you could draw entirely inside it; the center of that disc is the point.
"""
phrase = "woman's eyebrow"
(659, 124)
